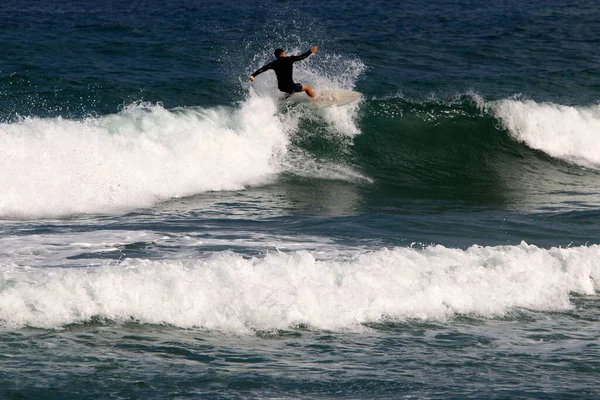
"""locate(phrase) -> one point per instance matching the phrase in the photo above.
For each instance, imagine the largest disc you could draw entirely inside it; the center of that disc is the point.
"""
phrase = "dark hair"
(278, 52)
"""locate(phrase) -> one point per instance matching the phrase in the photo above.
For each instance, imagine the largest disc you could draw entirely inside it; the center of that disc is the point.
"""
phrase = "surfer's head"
(279, 53)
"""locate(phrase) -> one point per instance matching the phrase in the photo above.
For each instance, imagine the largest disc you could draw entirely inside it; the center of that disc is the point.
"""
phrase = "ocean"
(170, 230)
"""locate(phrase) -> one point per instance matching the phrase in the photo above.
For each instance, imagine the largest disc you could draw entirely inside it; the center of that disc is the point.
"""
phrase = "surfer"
(283, 66)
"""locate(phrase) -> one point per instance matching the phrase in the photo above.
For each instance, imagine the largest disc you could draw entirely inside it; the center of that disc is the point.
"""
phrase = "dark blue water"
(170, 230)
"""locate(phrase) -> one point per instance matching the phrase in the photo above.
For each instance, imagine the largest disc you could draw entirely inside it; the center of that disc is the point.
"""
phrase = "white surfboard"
(327, 98)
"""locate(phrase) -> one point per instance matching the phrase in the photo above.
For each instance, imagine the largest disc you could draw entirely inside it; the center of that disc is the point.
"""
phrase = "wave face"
(503, 151)
(469, 131)
(227, 292)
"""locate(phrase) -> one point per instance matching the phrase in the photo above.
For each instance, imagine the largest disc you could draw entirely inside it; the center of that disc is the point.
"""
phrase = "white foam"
(91, 248)
(312, 168)
(565, 132)
(135, 158)
(229, 293)
(62, 249)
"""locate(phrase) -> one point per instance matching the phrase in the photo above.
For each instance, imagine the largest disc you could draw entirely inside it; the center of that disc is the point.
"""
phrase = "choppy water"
(168, 230)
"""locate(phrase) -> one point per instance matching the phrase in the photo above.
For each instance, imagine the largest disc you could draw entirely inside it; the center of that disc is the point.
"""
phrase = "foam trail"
(565, 132)
(229, 293)
(133, 159)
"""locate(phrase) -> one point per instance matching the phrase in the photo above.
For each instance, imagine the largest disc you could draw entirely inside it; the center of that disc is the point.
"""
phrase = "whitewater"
(561, 131)
(230, 293)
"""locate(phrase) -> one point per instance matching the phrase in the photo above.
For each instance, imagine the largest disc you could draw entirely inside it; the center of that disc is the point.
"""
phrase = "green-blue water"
(170, 230)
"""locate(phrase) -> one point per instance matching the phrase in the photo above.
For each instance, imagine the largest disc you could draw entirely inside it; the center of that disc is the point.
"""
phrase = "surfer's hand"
(251, 78)
(313, 49)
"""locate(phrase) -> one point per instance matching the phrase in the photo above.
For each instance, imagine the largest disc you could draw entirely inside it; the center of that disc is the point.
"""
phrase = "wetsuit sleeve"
(300, 57)
(263, 69)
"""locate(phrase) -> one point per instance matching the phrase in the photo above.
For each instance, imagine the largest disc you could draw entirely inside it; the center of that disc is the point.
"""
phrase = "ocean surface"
(170, 230)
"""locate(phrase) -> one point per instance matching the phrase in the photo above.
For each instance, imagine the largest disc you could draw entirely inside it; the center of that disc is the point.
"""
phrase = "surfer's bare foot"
(308, 90)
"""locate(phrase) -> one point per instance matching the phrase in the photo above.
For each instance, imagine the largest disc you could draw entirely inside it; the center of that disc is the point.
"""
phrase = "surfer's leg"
(308, 90)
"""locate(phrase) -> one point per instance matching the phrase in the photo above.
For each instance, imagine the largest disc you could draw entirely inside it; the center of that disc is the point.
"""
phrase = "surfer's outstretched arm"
(261, 70)
(304, 55)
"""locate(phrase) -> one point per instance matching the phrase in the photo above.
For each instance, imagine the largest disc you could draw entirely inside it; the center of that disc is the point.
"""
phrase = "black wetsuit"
(283, 69)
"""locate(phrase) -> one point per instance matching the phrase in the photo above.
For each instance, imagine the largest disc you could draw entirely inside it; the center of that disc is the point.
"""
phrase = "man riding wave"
(283, 67)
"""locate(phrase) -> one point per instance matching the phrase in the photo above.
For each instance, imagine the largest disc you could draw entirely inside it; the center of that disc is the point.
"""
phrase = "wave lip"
(229, 293)
(565, 132)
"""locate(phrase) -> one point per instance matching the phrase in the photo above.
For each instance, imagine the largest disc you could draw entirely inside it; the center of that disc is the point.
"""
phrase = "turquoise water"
(169, 230)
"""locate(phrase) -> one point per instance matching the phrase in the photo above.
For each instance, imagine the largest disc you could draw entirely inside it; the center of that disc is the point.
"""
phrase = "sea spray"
(322, 71)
